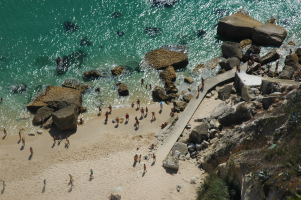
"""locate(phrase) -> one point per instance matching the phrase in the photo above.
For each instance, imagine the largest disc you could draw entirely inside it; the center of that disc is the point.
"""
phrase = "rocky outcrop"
(255, 50)
(269, 34)
(271, 85)
(159, 94)
(162, 58)
(17, 88)
(74, 84)
(219, 110)
(231, 49)
(229, 63)
(188, 80)
(48, 123)
(95, 74)
(270, 57)
(287, 72)
(292, 60)
(245, 95)
(187, 97)
(238, 113)
(56, 97)
(170, 87)
(225, 92)
(66, 118)
(169, 74)
(199, 133)
(123, 90)
(237, 26)
(197, 69)
(171, 162)
(245, 43)
(74, 59)
(44, 112)
(179, 105)
(116, 71)
(181, 147)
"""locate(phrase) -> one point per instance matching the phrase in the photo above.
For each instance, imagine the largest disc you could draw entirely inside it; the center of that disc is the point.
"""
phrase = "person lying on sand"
(164, 124)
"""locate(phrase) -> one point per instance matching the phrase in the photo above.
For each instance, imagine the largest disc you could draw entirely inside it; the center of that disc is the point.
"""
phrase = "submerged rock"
(115, 14)
(120, 33)
(95, 74)
(74, 84)
(152, 31)
(69, 27)
(85, 42)
(166, 3)
(176, 47)
(201, 33)
(17, 88)
(75, 58)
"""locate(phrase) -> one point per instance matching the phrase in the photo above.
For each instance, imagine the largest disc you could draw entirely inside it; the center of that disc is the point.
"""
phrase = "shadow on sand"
(153, 163)
(22, 148)
(4, 137)
(171, 171)
(143, 174)
(135, 163)
(30, 157)
(160, 111)
(43, 191)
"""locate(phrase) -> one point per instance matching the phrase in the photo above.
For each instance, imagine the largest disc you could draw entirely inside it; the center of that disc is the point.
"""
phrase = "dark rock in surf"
(270, 57)
(231, 49)
(176, 47)
(74, 84)
(254, 50)
(115, 14)
(69, 27)
(201, 33)
(17, 88)
(95, 74)
(85, 42)
(123, 90)
(66, 118)
(120, 33)
(166, 3)
(159, 94)
(153, 31)
(75, 58)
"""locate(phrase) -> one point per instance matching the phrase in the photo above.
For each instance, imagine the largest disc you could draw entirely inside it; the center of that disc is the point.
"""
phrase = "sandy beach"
(108, 150)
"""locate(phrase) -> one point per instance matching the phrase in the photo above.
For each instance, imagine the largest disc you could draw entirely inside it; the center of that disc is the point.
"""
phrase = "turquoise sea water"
(32, 36)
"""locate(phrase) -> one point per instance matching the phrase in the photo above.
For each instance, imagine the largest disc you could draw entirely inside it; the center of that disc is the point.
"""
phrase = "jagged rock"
(238, 113)
(94, 74)
(162, 58)
(245, 43)
(187, 97)
(270, 57)
(74, 84)
(292, 60)
(270, 85)
(199, 133)
(170, 87)
(242, 79)
(212, 132)
(56, 97)
(269, 34)
(176, 47)
(287, 72)
(237, 26)
(75, 58)
(255, 50)
(188, 80)
(197, 69)
(208, 95)
(291, 94)
(123, 90)
(214, 124)
(169, 74)
(191, 147)
(229, 63)
(66, 118)
(267, 101)
(231, 49)
(181, 147)
(48, 123)
(225, 92)
(44, 112)
(205, 144)
(291, 43)
(116, 71)
(159, 94)
(180, 105)
(219, 110)
(245, 94)
(171, 162)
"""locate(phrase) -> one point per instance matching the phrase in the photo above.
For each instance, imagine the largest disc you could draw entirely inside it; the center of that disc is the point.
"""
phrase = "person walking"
(110, 108)
(4, 130)
(144, 168)
(154, 158)
(127, 116)
(137, 123)
(23, 141)
(161, 105)
(135, 158)
(140, 158)
(67, 142)
(138, 103)
(133, 104)
(31, 151)
(44, 183)
(142, 112)
(91, 174)
(19, 136)
(153, 116)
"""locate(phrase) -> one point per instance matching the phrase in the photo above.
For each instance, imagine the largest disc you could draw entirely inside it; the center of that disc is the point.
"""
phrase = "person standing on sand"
(99, 110)
(117, 121)
(107, 115)
(23, 141)
(135, 158)
(161, 105)
(19, 136)
(154, 157)
(54, 140)
(127, 117)
(31, 151)
(4, 130)
(153, 116)
(110, 108)
(133, 104)
(140, 158)
(142, 80)
(91, 174)
(144, 168)
(137, 123)
(42, 120)
(146, 110)
(67, 141)
(142, 111)
(138, 103)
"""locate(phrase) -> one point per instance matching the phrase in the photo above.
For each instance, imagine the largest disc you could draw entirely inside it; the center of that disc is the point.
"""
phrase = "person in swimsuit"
(117, 121)
(137, 123)
(142, 112)
(127, 117)
(138, 103)
(91, 174)
(133, 104)
(153, 116)
(107, 115)
(146, 110)
(144, 166)
(99, 109)
(110, 108)
(31, 151)
(142, 80)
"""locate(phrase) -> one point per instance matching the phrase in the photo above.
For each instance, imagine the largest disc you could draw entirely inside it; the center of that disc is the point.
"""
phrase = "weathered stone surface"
(56, 98)
(287, 72)
(199, 133)
(44, 112)
(95, 74)
(229, 63)
(219, 110)
(171, 163)
(170, 87)
(187, 97)
(116, 71)
(231, 49)
(245, 94)
(214, 124)
(169, 74)
(188, 80)
(48, 123)
(267, 101)
(291, 43)
(271, 85)
(270, 57)
(237, 26)
(197, 69)
(180, 105)
(66, 118)
(255, 50)
(292, 60)
(159, 94)
(162, 58)
(245, 43)
(181, 147)
(238, 113)
(123, 90)
(269, 34)
(242, 79)
(291, 94)
(225, 92)
(74, 84)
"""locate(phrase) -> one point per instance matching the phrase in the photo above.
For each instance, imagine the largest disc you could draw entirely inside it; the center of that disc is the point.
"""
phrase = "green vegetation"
(213, 188)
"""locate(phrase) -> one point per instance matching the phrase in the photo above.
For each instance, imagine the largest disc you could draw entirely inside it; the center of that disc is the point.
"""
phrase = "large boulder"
(116, 71)
(199, 133)
(188, 80)
(219, 110)
(56, 98)
(237, 26)
(74, 84)
(123, 90)
(229, 63)
(181, 147)
(271, 85)
(170, 87)
(162, 58)
(48, 123)
(171, 162)
(255, 50)
(159, 94)
(187, 97)
(238, 113)
(292, 60)
(270, 57)
(95, 74)
(287, 72)
(245, 95)
(66, 118)
(179, 105)
(225, 92)
(269, 34)
(169, 74)
(44, 112)
(231, 49)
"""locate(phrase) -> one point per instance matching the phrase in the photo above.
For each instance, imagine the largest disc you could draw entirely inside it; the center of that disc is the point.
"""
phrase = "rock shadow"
(171, 171)
(55, 131)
